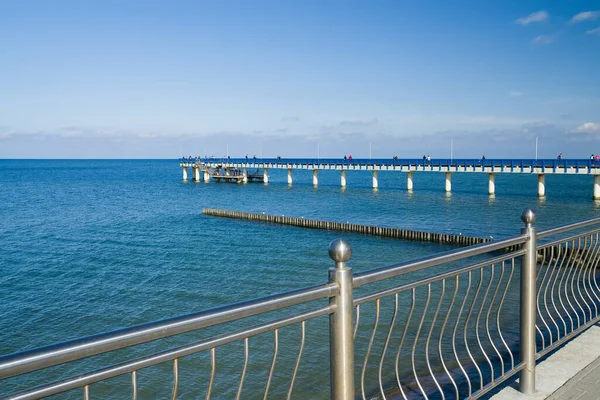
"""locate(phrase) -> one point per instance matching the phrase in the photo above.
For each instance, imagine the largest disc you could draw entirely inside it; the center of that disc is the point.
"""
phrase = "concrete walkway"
(573, 372)
(583, 386)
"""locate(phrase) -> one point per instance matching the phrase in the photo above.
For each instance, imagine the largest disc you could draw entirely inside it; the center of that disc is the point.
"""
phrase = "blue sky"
(113, 79)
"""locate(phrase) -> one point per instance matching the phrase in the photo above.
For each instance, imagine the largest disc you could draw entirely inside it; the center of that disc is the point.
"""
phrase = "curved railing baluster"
(485, 295)
(406, 325)
(175, 379)
(385, 346)
(297, 365)
(437, 311)
(369, 347)
(440, 352)
(512, 271)
(487, 321)
(213, 370)
(462, 306)
(539, 292)
(546, 307)
(583, 271)
(471, 308)
(559, 291)
(243, 374)
(272, 369)
(569, 268)
(357, 321)
(134, 385)
(417, 339)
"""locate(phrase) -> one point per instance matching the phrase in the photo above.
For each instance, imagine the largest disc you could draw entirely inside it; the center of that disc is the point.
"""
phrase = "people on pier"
(483, 157)
(395, 157)
(350, 157)
(345, 158)
(559, 157)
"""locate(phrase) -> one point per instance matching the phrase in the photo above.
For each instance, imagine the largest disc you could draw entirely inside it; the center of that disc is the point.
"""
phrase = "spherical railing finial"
(340, 250)
(528, 217)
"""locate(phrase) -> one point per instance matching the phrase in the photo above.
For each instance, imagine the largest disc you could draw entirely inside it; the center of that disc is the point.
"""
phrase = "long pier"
(406, 234)
(491, 167)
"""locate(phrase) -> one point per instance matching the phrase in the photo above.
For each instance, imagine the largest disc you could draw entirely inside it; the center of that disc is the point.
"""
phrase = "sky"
(156, 79)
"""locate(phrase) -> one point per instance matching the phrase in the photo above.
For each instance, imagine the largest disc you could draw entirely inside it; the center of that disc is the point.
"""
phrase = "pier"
(410, 167)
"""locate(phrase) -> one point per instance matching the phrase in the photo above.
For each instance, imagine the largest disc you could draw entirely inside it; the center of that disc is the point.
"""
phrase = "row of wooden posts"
(406, 234)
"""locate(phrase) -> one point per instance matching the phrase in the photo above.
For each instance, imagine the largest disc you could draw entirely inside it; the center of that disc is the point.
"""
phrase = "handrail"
(32, 360)
(154, 359)
(568, 227)
(390, 271)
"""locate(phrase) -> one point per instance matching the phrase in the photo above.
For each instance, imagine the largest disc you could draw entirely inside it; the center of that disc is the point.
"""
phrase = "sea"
(89, 246)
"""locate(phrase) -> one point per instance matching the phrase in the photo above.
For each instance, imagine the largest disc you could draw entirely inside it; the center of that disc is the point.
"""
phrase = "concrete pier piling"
(343, 178)
(409, 181)
(491, 184)
(448, 182)
(596, 187)
(289, 176)
(541, 185)
(185, 177)
(315, 177)
(405, 234)
(375, 179)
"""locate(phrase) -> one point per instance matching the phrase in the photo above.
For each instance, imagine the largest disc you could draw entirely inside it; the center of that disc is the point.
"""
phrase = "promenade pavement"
(583, 386)
(571, 373)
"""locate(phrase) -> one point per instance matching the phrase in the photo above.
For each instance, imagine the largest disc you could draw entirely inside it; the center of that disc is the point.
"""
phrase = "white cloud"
(543, 39)
(588, 127)
(585, 16)
(515, 93)
(595, 31)
(538, 16)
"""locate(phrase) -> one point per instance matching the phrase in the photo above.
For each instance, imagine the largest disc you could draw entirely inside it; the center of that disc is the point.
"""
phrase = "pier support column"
(343, 178)
(491, 184)
(266, 175)
(448, 181)
(315, 177)
(206, 177)
(596, 187)
(196, 174)
(409, 181)
(289, 176)
(245, 173)
(184, 173)
(541, 185)
(375, 179)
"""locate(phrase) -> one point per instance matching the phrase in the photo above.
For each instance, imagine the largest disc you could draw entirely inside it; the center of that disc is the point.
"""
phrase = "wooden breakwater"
(406, 234)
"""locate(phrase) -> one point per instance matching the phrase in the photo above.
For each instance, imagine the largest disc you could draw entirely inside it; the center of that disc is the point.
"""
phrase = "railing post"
(528, 306)
(341, 340)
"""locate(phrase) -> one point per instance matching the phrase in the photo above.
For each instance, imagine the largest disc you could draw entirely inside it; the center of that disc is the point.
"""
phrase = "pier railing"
(451, 325)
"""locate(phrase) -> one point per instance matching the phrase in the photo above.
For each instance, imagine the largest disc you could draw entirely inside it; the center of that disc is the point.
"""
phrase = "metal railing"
(452, 325)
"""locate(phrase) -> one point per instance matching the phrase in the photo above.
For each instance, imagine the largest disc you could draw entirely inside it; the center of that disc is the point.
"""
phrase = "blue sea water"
(89, 246)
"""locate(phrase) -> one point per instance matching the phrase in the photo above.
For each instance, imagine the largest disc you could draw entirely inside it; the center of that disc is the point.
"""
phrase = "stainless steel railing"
(451, 325)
